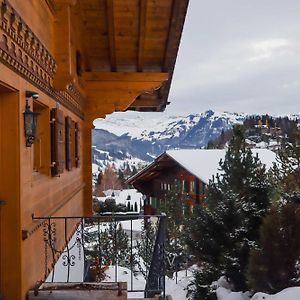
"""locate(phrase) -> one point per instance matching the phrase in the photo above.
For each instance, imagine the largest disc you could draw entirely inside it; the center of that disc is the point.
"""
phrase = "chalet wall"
(29, 193)
(37, 14)
(170, 179)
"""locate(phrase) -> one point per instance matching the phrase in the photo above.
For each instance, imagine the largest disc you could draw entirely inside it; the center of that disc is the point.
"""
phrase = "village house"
(187, 170)
(64, 63)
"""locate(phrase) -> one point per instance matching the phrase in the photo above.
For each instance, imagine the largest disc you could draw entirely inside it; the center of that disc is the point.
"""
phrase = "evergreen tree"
(174, 205)
(288, 172)
(145, 246)
(226, 228)
(115, 247)
(275, 265)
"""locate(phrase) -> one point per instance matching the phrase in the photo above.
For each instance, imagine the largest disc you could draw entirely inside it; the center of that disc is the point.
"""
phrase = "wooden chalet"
(186, 170)
(73, 61)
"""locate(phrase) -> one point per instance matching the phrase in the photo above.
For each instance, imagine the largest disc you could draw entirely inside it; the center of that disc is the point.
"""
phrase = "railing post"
(131, 257)
(155, 282)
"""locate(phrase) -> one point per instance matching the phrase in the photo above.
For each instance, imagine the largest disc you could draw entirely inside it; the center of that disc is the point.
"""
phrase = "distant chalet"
(189, 169)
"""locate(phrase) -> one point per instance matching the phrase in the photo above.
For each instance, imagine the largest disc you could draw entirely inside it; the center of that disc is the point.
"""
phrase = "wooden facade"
(85, 59)
(166, 174)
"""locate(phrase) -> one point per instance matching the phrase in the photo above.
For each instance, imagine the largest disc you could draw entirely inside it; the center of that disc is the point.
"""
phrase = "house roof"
(202, 163)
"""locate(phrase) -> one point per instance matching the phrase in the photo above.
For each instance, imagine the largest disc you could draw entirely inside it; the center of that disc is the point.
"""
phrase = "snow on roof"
(204, 163)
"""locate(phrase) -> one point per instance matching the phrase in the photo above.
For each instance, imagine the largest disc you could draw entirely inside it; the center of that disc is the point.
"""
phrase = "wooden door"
(10, 223)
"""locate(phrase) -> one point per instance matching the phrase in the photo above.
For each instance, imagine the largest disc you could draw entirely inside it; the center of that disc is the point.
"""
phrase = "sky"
(239, 56)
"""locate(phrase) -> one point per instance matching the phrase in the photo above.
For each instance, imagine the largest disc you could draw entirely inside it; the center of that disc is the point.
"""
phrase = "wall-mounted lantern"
(30, 119)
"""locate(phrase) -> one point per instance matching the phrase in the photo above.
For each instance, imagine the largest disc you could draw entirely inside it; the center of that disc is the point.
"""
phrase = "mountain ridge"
(123, 141)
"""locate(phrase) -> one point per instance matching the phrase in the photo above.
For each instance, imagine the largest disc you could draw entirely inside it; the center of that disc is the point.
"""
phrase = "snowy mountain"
(121, 139)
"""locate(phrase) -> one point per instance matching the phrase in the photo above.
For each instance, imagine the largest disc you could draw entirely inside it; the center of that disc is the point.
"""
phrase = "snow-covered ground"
(224, 292)
(118, 164)
(137, 282)
(292, 293)
(176, 290)
(126, 196)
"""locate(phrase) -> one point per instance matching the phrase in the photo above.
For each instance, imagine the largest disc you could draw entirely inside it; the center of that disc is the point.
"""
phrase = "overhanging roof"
(133, 36)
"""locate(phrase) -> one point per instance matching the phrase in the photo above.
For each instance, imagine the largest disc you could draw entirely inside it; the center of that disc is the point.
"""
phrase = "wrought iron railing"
(110, 247)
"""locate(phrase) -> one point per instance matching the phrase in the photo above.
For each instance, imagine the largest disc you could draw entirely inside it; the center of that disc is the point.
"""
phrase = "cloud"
(239, 55)
(268, 48)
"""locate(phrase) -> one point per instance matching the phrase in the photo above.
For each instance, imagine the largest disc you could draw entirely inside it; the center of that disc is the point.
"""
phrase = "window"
(192, 183)
(177, 181)
(41, 146)
(185, 186)
(201, 188)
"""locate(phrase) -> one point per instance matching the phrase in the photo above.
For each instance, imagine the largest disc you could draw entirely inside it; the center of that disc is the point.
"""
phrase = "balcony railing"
(110, 247)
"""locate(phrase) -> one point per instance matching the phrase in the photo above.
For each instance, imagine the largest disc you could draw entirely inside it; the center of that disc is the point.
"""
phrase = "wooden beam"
(85, 46)
(63, 45)
(111, 34)
(125, 76)
(109, 92)
(171, 42)
(179, 9)
(142, 32)
(145, 103)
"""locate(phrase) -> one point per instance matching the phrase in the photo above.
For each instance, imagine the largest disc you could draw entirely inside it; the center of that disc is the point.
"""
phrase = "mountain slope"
(145, 138)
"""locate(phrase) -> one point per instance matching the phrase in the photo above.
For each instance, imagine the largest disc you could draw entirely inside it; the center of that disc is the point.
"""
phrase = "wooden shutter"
(77, 145)
(69, 125)
(57, 142)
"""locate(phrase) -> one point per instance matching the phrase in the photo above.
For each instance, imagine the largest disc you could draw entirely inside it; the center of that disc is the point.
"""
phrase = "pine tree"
(115, 247)
(173, 204)
(145, 246)
(222, 233)
(288, 173)
(275, 265)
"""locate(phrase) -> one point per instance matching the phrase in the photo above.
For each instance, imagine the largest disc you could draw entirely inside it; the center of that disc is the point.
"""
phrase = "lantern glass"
(30, 123)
